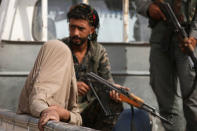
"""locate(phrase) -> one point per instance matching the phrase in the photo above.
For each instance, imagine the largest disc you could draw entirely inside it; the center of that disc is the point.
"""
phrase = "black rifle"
(103, 101)
(172, 20)
(127, 97)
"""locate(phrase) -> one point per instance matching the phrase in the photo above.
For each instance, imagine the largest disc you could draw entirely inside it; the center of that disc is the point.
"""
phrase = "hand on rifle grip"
(188, 43)
(83, 88)
(116, 96)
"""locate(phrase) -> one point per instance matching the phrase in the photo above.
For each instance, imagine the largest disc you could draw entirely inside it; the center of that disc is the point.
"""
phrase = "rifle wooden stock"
(135, 101)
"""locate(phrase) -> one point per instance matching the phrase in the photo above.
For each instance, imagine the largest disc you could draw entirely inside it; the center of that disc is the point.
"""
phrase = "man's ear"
(92, 29)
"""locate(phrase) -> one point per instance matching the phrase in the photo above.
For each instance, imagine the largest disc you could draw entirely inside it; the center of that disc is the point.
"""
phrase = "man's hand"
(155, 12)
(83, 88)
(114, 95)
(46, 115)
(53, 112)
(63, 113)
(188, 43)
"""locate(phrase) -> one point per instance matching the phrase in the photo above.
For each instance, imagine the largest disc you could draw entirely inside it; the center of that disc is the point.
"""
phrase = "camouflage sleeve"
(104, 69)
(142, 6)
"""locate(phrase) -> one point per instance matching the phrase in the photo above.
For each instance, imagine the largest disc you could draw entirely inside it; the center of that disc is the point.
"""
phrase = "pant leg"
(190, 110)
(186, 77)
(141, 121)
(163, 81)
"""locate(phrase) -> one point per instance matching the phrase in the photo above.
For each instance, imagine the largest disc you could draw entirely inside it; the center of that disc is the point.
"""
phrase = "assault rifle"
(103, 101)
(127, 97)
(172, 20)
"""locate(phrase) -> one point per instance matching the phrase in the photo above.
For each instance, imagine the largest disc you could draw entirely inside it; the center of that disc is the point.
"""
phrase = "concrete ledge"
(15, 122)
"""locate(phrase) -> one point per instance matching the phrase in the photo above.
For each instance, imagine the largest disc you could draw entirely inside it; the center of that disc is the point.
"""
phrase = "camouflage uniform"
(168, 62)
(96, 60)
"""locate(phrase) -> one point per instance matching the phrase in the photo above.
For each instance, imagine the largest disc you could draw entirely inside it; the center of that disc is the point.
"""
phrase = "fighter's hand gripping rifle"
(127, 97)
(172, 20)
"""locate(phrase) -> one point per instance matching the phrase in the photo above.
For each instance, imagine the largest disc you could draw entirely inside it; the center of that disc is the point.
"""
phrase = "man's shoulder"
(54, 42)
(98, 51)
(97, 47)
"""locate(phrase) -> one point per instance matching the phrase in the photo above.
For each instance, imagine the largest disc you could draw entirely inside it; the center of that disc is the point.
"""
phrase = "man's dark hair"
(85, 12)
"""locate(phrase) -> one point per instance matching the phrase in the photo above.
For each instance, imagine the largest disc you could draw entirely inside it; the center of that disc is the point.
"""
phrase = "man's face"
(79, 31)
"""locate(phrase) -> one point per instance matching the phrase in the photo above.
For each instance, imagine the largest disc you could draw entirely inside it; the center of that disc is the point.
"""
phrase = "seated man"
(50, 91)
(89, 56)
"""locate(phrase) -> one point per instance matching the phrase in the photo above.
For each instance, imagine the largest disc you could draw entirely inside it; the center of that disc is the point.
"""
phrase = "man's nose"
(76, 32)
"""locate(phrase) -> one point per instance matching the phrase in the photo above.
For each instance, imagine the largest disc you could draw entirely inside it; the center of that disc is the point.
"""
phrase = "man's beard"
(82, 40)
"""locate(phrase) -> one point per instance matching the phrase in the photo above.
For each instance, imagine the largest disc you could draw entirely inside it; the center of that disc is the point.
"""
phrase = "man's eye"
(81, 28)
(72, 27)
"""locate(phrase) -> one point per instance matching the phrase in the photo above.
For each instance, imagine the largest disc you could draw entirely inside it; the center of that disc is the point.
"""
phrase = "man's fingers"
(83, 90)
(115, 96)
(43, 120)
(112, 95)
(119, 86)
(48, 114)
(188, 43)
(162, 15)
(80, 93)
(126, 88)
(40, 126)
(85, 86)
(191, 47)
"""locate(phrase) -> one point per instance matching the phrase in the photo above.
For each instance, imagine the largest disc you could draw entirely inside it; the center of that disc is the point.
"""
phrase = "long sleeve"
(50, 74)
(52, 86)
(142, 6)
(75, 117)
(104, 69)
(193, 32)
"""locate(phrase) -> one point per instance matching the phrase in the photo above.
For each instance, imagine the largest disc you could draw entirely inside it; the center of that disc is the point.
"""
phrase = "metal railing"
(10, 121)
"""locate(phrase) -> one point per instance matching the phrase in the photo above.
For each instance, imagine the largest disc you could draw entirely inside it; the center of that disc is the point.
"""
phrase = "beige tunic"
(51, 82)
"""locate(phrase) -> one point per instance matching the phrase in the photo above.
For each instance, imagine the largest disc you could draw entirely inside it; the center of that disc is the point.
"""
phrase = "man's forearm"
(37, 106)
(63, 113)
